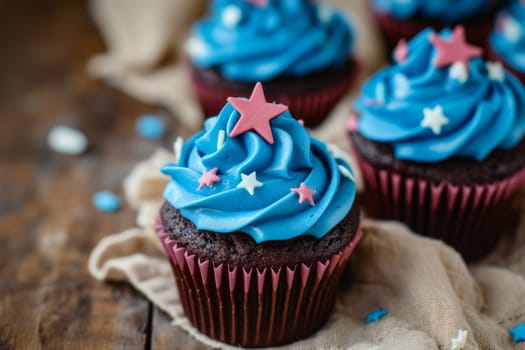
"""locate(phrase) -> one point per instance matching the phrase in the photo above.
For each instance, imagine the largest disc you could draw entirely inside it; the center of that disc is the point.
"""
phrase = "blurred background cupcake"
(258, 224)
(299, 49)
(402, 19)
(439, 139)
(507, 39)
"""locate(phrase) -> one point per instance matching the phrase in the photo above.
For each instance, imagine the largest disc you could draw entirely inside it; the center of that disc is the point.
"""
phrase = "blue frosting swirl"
(484, 113)
(508, 38)
(273, 212)
(445, 11)
(251, 43)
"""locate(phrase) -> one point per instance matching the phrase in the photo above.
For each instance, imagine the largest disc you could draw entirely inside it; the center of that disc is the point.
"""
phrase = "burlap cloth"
(427, 288)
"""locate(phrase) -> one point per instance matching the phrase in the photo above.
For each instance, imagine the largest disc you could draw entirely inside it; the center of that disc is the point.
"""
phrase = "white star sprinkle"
(346, 173)
(231, 16)
(220, 139)
(196, 47)
(496, 71)
(249, 182)
(459, 72)
(434, 119)
(177, 148)
(511, 29)
(460, 341)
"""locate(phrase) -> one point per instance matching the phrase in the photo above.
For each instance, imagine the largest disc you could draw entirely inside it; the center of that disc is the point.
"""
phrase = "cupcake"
(259, 222)
(299, 49)
(507, 39)
(403, 19)
(439, 138)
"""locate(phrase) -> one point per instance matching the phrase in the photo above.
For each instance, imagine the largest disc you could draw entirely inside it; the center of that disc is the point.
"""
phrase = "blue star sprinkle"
(518, 333)
(150, 126)
(106, 201)
(375, 315)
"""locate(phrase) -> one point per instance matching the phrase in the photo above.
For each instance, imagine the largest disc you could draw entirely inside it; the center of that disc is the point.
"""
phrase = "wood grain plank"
(47, 223)
(165, 336)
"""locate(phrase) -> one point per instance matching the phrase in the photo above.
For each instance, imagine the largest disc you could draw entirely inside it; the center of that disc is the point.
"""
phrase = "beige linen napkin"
(428, 290)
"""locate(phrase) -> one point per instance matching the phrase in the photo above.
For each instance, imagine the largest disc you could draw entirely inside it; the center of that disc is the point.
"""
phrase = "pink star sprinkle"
(301, 121)
(305, 193)
(401, 51)
(500, 22)
(373, 102)
(208, 178)
(455, 49)
(256, 114)
(259, 3)
(351, 123)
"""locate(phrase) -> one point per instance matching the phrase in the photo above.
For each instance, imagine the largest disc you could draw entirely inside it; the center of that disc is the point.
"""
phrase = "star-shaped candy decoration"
(197, 47)
(231, 16)
(305, 193)
(496, 71)
(434, 119)
(208, 178)
(518, 333)
(458, 72)
(249, 182)
(256, 114)
(351, 123)
(460, 340)
(375, 316)
(259, 3)
(455, 49)
(510, 28)
(401, 51)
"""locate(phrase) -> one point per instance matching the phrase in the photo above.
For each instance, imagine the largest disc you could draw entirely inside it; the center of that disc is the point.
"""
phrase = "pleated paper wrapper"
(469, 217)
(255, 307)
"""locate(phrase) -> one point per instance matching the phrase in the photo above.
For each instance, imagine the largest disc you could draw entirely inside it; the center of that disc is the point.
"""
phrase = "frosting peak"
(272, 191)
(257, 41)
(441, 100)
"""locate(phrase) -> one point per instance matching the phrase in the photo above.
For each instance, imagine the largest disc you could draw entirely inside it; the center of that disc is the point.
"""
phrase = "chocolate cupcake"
(404, 19)
(259, 222)
(439, 138)
(507, 39)
(299, 49)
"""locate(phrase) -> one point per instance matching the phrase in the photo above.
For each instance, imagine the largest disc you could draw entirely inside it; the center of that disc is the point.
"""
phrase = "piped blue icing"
(508, 37)
(273, 212)
(444, 11)
(483, 113)
(251, 43)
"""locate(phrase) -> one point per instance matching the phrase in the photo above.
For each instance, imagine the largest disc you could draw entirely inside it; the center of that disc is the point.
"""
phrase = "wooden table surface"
(48, 225)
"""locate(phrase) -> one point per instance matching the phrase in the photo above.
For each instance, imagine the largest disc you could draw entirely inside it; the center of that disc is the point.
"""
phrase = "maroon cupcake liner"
(494, 56)
(470, 218)
(392, 29)
(310, 106)
(255, 307)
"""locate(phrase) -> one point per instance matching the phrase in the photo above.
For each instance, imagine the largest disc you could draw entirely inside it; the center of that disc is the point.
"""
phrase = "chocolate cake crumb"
(240, 248)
